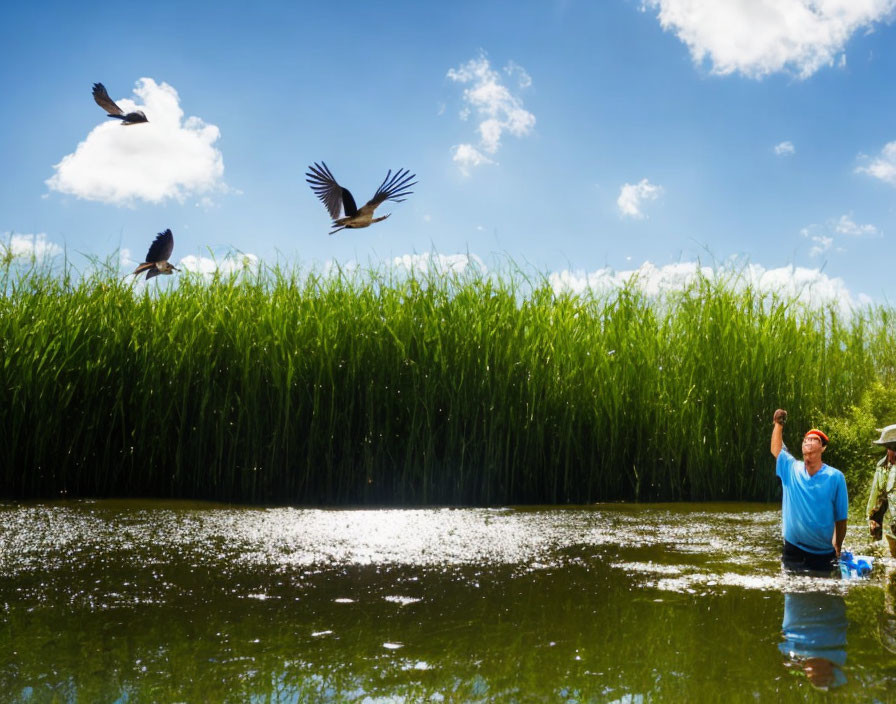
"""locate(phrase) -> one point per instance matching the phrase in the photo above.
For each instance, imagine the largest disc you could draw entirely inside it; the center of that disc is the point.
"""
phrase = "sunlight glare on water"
(602, 603)
(710, 548)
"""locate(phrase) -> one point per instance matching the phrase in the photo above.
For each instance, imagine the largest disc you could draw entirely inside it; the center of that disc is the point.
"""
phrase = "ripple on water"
(674, 548)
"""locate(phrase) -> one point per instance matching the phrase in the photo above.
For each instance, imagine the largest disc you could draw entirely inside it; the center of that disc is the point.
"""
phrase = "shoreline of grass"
(373, 388)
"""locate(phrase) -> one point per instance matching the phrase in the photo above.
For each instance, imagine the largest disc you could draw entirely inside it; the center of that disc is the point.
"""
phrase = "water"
(118, 601)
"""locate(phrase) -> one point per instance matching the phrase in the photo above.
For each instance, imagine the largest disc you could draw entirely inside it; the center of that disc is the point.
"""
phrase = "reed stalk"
(376, 388)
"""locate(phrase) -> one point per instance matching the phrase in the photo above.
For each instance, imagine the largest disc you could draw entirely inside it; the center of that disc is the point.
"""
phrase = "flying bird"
(112, 110)
(157, 257)
(338, 199)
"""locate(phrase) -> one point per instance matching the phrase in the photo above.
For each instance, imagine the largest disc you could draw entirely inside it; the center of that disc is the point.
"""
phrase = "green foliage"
(852, 449)
(288, 386)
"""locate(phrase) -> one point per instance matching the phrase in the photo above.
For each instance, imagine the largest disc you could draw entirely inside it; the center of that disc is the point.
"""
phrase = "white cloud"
(523, 79)
(348, 269)
(466, 156)
(498, 109)
(760, 37)
(809, 286)
(846, 226)
(28, 246)
(785, 149)
(822, 244)
(432, 262)
(632, 197)
(167, 158)
(826, 238)
(230, 264)
(884, 166)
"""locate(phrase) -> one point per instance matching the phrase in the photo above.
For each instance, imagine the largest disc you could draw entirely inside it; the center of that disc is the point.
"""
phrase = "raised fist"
(780, 416)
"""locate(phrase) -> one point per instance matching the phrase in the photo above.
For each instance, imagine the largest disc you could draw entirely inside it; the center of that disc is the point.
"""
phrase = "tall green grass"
(290, 386)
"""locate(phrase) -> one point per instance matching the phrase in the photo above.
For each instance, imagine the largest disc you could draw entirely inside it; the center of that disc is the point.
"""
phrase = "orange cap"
(817, 432)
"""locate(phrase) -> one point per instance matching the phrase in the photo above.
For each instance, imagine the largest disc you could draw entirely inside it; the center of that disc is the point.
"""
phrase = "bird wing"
(104, 101)
(161, 248)
(332, 195)
(394, 188)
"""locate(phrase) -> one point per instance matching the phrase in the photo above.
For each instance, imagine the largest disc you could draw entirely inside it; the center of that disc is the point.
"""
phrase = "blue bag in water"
(851, 567)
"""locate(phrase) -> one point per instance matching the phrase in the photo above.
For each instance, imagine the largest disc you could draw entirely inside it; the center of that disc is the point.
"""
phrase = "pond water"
(115, 601)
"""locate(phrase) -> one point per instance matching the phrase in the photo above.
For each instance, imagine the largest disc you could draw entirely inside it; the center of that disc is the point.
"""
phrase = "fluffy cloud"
(760, 37)
(438, 263)
(821, 245)
(828, 237)
(497, 108)
(231, 264)
(466, 156)
(632, 197)
(883, 167)
(167, 158)
(28, 246)
(785, 149)
(809, 286)
(845, 226)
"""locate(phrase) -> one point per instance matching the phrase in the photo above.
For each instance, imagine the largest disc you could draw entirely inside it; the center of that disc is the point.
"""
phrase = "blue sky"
(584, 139)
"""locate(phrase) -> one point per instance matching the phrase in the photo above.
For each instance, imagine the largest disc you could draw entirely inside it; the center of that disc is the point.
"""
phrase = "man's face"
(812, 446)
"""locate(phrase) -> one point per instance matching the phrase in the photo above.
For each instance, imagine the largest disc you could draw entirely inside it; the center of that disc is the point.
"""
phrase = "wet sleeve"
(841, 500)
(784, 466)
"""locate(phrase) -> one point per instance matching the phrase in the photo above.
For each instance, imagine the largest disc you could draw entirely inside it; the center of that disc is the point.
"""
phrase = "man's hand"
(778, 432)
(839, 535)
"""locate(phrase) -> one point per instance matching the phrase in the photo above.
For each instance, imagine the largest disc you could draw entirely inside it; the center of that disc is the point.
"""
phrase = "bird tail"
(145, 266)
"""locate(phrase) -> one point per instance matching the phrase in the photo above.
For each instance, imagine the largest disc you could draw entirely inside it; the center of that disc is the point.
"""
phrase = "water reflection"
(888, 617)
(814, 629)
(161, 601)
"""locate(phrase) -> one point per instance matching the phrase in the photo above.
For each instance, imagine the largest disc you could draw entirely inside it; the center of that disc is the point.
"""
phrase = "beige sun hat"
(887, 435)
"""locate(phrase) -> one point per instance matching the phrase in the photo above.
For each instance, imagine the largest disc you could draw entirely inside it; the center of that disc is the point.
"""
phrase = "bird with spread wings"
(157, 257)
(339, 200)
(112, 110)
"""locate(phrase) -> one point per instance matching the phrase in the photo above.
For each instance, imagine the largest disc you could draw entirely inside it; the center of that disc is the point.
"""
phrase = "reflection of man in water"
(814, 509)
(814, 631)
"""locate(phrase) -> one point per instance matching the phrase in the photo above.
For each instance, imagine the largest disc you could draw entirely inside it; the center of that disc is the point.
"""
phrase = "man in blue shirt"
(815, 504)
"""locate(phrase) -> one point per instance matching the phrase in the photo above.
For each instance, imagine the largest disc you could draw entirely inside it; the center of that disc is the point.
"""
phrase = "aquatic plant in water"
(282, 385)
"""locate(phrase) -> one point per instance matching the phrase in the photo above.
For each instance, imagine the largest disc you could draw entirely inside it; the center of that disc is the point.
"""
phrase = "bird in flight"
(157, 257)
(338, 199)
(112, 110)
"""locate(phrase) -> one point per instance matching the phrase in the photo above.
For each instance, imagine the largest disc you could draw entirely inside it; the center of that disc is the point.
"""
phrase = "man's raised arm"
(778, 432)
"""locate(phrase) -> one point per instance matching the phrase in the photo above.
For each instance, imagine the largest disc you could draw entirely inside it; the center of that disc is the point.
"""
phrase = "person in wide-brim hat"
(881, 510)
